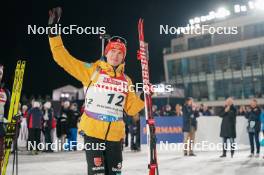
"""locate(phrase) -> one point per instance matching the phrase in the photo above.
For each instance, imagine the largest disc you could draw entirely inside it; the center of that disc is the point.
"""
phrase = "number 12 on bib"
(142, 55)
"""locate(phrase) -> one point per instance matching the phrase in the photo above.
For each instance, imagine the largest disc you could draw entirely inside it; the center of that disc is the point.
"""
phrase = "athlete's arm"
(78, 69)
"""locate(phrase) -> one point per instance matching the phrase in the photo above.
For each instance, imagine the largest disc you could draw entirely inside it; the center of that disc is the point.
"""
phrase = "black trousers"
(103, 157)
(48, 138)
(254, 137)
(34, 136)
(127, 133)
(232, 142)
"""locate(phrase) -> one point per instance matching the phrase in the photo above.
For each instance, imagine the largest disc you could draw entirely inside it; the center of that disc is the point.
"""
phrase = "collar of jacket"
(106, 67)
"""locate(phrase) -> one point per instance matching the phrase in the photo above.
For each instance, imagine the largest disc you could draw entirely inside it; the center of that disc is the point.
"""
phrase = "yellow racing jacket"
(82, 71)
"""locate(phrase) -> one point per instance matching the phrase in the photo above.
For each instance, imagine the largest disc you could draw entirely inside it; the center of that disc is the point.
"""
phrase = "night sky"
(118, 16)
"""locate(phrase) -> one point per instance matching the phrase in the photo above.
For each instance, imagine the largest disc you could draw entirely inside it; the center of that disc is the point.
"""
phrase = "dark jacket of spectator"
(207, 113)
(63, 123)
(73, 118)
(228, 125)
(253, 116)
(168, 111)
(47, 122)
(35, 118)
(189, 118)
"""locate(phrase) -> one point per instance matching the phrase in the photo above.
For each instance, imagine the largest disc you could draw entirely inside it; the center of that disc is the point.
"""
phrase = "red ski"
(142, 55)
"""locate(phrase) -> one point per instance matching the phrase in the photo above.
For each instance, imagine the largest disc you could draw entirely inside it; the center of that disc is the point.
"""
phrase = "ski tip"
(23, 62)
(140, 21)
(140, 29)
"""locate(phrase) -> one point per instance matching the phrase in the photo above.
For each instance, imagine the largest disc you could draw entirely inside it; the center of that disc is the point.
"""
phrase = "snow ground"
(170, 163)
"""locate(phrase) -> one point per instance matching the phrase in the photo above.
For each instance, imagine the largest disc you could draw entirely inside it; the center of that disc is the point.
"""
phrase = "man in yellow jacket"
(107, 96)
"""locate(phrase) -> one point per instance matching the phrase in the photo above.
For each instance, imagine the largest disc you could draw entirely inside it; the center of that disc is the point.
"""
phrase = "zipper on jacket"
(108, 128)
(115, 72)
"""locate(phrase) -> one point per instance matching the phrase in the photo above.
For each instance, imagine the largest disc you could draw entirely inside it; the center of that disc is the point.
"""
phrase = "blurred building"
(67, 92)
(211, 67)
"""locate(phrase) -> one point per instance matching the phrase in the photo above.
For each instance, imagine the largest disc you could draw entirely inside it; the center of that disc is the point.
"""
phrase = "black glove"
(54, 18)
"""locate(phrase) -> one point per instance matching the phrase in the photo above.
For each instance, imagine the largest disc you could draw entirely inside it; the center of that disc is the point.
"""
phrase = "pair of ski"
(12, 125)
(143, 56)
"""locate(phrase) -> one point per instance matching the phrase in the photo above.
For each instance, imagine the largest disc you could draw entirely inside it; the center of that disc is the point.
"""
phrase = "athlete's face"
(114, 57)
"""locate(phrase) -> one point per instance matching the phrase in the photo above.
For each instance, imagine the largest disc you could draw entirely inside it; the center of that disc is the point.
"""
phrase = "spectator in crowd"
(47, 124)
(54, 128)
(155, 110)
(254, 127)
(178, 110)
(23, 136)
(205, 110)
(242, 110)
(162, 110)
(24, 111)
(34, 120)
(168, 111)
(32, 102)
(228, 126)
(189, 125)
(62, 123)
(248, 109)
(73, 120)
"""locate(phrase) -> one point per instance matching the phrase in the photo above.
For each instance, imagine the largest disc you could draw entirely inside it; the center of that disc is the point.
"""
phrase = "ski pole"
(103, 38)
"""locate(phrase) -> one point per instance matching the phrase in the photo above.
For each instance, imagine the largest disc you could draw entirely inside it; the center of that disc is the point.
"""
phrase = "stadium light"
(203, 18)
(197, 20)
(212, 15)
(65, 95)
(243, 8)
(237, 8)
(251, 5)
(191, 21)
(222, 12)
(208, 17)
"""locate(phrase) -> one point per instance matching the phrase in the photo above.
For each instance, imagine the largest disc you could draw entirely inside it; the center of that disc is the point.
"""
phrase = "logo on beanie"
(117, 46)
